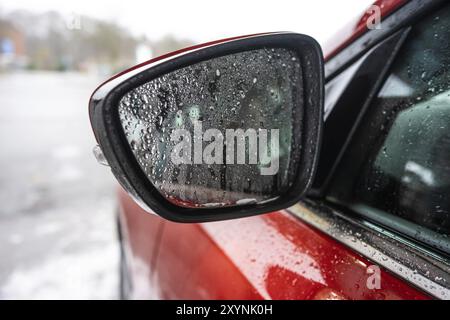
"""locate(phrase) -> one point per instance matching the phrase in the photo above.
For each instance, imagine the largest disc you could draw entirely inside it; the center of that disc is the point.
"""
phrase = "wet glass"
(222, 132)
(404, 143)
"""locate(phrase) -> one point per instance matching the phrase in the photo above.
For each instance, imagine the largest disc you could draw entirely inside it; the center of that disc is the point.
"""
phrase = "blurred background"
(57, 205)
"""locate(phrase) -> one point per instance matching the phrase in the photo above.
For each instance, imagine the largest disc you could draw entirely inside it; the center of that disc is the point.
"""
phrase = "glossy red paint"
(357, 27)
(273, 256)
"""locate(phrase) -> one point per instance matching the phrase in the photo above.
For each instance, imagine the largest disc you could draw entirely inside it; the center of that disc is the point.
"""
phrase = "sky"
(202, 20)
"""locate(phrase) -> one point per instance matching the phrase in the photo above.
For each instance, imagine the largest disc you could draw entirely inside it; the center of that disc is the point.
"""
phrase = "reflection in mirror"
(222, 132)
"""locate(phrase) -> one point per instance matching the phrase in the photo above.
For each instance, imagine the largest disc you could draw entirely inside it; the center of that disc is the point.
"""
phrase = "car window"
(399, 161)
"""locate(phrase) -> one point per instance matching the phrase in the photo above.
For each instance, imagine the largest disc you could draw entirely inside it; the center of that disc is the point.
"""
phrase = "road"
(57, 231)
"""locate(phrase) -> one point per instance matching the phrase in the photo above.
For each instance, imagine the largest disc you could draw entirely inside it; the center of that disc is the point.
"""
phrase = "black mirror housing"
(274, 80)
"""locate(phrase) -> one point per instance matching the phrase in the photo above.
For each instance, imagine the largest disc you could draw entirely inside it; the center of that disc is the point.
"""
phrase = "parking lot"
(57, 209)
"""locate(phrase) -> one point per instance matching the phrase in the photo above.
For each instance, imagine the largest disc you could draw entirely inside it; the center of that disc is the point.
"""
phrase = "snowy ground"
(57, 229)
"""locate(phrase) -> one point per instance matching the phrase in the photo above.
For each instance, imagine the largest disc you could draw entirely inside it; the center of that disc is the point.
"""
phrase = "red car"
(359, 206)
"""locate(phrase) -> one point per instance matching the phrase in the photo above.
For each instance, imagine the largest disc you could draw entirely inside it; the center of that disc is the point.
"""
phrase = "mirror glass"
(222, 132)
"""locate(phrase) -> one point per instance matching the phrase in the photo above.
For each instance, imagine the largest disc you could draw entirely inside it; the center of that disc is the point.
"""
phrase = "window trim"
(379, 245)
(331, 154)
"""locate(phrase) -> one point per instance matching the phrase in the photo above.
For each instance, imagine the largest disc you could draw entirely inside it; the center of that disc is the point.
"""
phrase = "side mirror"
(218, 131)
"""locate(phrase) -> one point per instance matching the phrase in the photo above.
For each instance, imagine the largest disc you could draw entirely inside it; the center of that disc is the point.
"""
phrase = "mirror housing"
(128, 125)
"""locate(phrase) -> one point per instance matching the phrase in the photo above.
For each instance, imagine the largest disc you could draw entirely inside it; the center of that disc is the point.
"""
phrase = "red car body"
(272, 256)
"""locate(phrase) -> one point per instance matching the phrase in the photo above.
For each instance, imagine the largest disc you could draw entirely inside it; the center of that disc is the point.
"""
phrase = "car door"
(323, 248)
